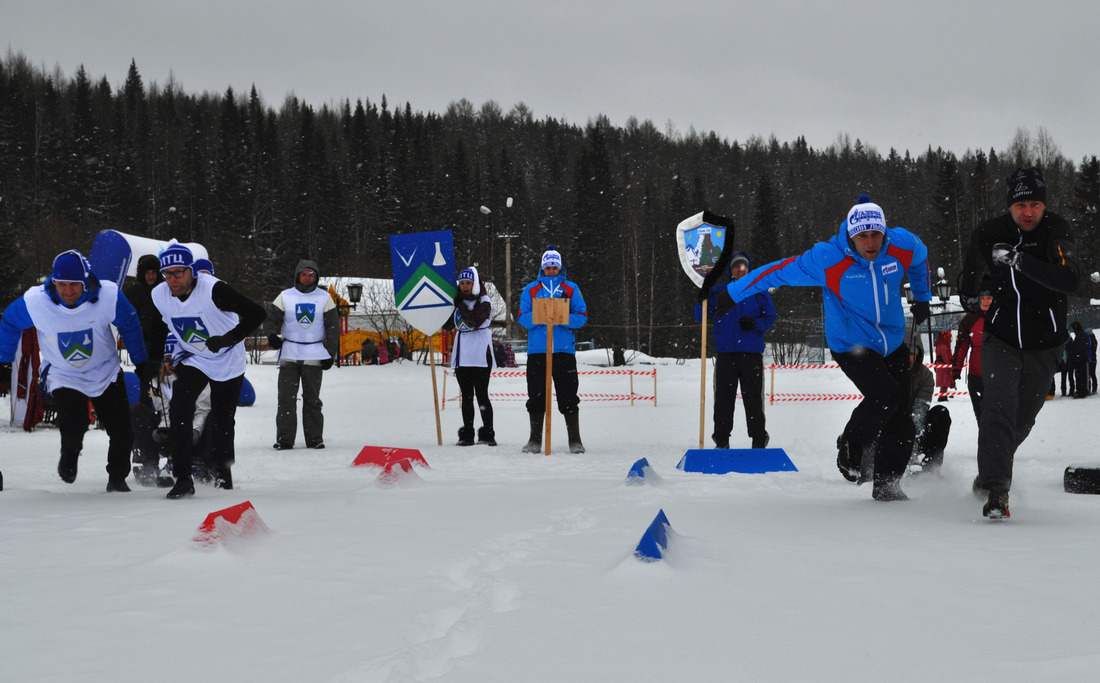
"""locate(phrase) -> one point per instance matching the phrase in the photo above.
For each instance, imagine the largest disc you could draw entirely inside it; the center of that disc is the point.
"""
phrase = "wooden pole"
(435, 395)
(703, 380)
(549, 312)
(549, 378)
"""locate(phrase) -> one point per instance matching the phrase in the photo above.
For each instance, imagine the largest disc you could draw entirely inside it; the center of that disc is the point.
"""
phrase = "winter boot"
(761, 442)
(887, 488)
(486, 436)
(931, 462)
(996, 507)
(720, 441)
(465, 436)
(184, 487)
(534, 443)
(572, 426)
(66, 465)
(223, 478)
(117, 485)
(848, 458)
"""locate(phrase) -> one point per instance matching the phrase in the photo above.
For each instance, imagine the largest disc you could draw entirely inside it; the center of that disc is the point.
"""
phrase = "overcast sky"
(957, 74)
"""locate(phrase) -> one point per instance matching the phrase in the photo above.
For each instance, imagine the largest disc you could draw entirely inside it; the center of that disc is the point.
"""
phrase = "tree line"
(262, 187)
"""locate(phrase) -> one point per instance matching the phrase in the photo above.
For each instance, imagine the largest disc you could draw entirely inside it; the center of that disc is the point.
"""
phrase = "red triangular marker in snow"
(381, 456)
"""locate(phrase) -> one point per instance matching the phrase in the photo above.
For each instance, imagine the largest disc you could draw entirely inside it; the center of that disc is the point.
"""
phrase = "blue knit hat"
(71, 266)
(175, 255)
(467, 274)
(202, 264)
(551, 257)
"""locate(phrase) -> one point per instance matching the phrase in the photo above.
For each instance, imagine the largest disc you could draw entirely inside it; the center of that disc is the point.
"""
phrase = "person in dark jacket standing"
(1029, 256)
(860, 271)
(303, 325)
(153, 330)
(210, 320)
(739, 357)
(1078, 351)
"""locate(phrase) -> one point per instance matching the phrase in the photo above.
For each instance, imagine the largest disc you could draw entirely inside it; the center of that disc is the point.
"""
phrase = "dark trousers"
(112, 409)
(1067, 373)
(882, 418)
(293, 373)
(565, 381)
(1081, 378)
(1092, 377)
(937, 428)
(975, 387)
(730, 369)
(1018, 381)
(220, 423)
(473, 382)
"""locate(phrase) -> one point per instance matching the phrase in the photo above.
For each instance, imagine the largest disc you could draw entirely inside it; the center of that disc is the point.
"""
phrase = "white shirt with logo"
(78, 343)
(193, 322)
(304, 324)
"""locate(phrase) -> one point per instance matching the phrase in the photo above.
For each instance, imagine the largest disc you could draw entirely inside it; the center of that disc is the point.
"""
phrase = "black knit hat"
(1026, 184)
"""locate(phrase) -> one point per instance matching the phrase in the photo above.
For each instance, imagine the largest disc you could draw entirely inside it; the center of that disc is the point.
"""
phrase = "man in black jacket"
(1029, 256)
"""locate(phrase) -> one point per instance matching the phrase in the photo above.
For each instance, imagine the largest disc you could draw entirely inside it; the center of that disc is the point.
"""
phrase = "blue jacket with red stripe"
(863, 301)
(556, 287)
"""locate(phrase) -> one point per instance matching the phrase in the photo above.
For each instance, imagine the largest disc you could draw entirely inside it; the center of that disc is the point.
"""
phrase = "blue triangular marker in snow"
(741, 460)
(639, 472)
(654, 540)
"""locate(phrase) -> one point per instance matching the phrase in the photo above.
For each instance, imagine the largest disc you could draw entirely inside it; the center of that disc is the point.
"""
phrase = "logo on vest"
(75, 347)
(191, 331)
(889, 268)
(305, 314)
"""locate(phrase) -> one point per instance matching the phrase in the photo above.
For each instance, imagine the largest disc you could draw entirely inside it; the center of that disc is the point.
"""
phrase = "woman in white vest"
(73, 312)
(210, 320)
(472, 356)
(306, 318)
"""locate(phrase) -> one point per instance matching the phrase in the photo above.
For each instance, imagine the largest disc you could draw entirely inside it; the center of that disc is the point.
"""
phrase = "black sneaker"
(319, 445)
(762, 442)
(722, 443)
(280, 446)
(996, 506)
(184, 487)
(66, 466)
(117, 485)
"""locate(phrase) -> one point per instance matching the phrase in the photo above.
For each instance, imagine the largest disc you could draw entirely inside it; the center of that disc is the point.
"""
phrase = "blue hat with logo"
(864, 216)
(175, 255)
(71, 266)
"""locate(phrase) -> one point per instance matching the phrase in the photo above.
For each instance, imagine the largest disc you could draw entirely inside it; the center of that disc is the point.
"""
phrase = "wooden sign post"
(549, 312)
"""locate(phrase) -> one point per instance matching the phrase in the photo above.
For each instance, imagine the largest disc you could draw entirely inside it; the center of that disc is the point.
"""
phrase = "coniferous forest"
(263, 186)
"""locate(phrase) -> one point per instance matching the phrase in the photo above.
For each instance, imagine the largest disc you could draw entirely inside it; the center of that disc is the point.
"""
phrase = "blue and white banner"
(424, 278)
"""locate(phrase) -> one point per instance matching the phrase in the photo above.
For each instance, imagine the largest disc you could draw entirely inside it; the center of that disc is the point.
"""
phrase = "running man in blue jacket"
(860, 271)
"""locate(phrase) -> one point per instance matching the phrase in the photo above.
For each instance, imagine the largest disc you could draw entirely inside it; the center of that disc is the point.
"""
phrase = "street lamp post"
(508, 317)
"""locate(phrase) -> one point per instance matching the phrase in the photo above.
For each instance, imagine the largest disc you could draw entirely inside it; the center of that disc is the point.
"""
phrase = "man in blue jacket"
(552, 284)
(739, 345)
(860, 271)
(73, 313)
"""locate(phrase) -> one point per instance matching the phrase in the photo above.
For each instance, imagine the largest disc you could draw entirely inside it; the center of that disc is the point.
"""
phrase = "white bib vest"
(304, 324)
(78, 343)
(193, 322)
(473, 348)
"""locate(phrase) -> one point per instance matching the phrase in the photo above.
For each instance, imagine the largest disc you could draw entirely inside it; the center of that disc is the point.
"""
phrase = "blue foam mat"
(740, 460)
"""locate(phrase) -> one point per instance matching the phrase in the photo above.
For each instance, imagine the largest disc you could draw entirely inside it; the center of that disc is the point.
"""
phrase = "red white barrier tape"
(834, 366)
(518, 374)
(583, 397)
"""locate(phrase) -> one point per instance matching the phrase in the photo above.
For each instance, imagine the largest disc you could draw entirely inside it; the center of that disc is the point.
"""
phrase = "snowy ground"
(493, 565)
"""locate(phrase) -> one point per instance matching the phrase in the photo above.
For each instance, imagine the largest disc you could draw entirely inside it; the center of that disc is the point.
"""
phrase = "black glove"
(5, 379)
(1006, 254)
(327, 363)
(275, 341)
(971, 304)
(921, 312)
(218, 342)
(722, 303)
(703, 295)
(747, 324)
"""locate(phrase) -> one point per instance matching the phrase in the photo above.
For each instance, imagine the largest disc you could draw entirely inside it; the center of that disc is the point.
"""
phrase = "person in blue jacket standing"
(739, 356)
(860, 271)
(552, 284)
(74, 312)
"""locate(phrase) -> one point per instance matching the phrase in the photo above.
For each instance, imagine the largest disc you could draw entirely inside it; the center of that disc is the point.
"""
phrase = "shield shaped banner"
(424, 278)
(701, 240)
